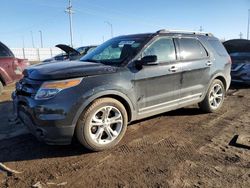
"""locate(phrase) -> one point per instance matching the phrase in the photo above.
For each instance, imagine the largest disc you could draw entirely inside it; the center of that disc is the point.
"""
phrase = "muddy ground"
(183, 148)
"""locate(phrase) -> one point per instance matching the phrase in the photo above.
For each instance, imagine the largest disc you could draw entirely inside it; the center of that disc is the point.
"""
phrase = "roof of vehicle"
(184, 32)
(170, 32)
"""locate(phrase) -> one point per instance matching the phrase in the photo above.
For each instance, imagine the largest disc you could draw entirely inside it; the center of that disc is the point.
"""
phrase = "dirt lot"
(183, 148)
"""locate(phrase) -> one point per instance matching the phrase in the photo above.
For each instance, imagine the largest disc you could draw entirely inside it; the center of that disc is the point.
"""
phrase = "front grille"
(27, 87)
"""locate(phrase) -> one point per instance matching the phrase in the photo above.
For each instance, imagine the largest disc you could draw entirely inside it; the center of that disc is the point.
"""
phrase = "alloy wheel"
(106, 125)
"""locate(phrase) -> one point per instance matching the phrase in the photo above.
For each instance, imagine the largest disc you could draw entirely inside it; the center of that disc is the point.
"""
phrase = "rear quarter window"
(191, 49)
(218, 47)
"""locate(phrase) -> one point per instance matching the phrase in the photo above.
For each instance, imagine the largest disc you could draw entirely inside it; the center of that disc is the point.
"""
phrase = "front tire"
(214, 97)
(102, 125)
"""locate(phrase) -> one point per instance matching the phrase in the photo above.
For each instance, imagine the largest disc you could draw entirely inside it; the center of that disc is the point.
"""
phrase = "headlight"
(50, 89)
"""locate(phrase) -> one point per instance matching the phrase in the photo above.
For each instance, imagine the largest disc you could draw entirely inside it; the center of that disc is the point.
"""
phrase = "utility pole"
(241, 35)
(248, 22)
(201, 29)
(32, 39)
(111, 28)
(70, 11)
(23, 42)
(41, 38)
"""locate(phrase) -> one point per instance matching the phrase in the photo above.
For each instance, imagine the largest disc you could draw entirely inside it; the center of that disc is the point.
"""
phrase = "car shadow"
(239, 86)
(27, 147)
(187, 111)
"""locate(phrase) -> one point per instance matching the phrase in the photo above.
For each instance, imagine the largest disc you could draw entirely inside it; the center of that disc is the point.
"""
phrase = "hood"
(67, 49)
(66, 69)
(237, 45)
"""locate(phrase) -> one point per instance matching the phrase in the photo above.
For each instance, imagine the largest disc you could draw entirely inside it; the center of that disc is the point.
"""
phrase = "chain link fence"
(35, 54)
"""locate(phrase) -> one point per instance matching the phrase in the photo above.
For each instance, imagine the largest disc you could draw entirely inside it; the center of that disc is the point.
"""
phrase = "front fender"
(95, 95)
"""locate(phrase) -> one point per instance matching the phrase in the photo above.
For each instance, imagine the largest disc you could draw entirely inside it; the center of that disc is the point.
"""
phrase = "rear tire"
(214, 97)
(102, 125)
(1, 87)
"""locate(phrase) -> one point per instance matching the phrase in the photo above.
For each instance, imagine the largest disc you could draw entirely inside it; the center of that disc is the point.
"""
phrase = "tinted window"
(4, 51)
(163, 48)
(191, 49)
(218, 47)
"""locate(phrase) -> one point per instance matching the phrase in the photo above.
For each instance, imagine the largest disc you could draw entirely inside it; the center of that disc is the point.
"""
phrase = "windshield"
(82, 50)
(114, 51)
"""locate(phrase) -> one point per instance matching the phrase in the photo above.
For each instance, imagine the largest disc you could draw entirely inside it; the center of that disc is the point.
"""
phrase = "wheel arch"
(111, 94)
(121, 100)
(222, 79)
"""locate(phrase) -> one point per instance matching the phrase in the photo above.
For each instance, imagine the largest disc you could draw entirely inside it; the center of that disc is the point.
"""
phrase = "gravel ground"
(182, 148)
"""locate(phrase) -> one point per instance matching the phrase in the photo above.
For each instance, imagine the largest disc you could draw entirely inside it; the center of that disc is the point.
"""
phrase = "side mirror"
(149, 60)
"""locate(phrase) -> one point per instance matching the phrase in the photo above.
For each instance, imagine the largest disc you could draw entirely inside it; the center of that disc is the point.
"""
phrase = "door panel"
(195, 65)
(194, 77)
(157, 87)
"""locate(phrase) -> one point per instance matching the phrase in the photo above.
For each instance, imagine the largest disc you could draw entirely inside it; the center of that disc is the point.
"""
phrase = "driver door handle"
(173, 69)
(209, 63)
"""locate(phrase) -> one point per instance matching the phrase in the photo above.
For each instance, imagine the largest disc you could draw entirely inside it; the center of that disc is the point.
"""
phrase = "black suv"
(125, 79)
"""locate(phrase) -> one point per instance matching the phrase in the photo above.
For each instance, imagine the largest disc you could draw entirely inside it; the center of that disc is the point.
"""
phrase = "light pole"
(70, 12)
(201, 29)
(248, 22)
(32, 39)
(41, 38)
(111, 28)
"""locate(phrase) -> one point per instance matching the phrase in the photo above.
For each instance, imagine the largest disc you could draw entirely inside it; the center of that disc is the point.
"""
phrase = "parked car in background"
(11, 68)
(240, 72)
(70, 53)
(239, 50)
(125, 79)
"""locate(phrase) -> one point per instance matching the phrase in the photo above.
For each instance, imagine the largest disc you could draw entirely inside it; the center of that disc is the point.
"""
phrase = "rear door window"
(191, 49)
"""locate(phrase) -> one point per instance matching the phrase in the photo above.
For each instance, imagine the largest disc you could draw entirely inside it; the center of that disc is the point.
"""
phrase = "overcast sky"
(18, 18)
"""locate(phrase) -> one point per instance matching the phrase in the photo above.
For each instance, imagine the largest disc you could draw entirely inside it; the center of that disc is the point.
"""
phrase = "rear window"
(4, 51)
(191, 49)
(218, 47)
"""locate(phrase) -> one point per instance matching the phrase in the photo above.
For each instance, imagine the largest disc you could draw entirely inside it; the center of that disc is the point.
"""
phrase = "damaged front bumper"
(45, 127)
(240, 73)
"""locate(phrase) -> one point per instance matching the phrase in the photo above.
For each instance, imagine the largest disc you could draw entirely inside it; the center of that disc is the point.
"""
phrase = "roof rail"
(184, 32)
